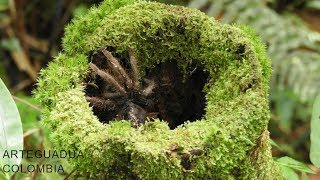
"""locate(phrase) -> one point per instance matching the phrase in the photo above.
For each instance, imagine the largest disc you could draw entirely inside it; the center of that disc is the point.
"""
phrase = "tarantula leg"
(100, 103)
(106, 76)
(153, 115)
(135, 70)
(90, 84)
(110, 95)
(149, 89)
(118, 68)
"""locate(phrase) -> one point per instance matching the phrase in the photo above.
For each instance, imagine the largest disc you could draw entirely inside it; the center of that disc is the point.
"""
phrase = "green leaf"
(285, 104)
(315, 133)
(315, 4)
(3, 5)
(3, 175)
(274, 144)
(304, 176)
(288, 173)
(29, 116)
(294, 164)
(80, 10)
(11, 134)
(10, 44)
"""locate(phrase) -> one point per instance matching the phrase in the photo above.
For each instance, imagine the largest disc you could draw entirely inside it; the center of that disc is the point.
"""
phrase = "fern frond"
(293, 48)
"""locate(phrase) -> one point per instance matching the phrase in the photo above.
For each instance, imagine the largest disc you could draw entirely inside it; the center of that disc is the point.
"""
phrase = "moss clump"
(225, 144)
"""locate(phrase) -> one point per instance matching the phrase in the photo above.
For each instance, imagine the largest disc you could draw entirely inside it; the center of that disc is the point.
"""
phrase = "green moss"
(237, 109)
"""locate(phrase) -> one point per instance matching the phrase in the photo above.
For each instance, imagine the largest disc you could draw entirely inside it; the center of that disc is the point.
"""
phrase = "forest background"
(31, 32)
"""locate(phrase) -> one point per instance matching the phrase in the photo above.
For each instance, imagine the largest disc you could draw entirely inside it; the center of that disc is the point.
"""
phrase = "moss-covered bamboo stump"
(228, 141)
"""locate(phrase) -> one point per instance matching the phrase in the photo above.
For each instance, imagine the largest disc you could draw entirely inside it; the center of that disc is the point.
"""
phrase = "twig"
(20, 54)
(23, 84)
(27, 103)
(67, 177)
(28, 133)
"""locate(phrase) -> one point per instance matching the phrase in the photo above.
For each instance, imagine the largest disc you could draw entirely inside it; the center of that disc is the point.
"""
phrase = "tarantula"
(122, 93)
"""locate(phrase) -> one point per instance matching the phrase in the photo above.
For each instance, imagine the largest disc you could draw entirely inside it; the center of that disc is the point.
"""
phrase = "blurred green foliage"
(3, 5)
(3, 74)
(315, 133)
(313, 4)
(293, 48)
(81, 9)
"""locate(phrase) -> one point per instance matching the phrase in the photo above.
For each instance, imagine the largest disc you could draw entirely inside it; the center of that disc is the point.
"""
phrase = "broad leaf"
(3, 175)
(315, 133)
(288, 173)
(294, 164)
(304, 176)
(11, 134)
(285, 104)
(274, 144)
(315, 4)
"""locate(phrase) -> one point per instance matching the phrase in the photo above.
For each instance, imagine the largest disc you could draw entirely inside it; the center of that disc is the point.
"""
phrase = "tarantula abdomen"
(133, 112)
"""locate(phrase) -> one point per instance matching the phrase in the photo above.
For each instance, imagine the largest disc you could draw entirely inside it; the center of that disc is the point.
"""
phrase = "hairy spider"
(122, 93)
